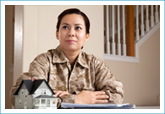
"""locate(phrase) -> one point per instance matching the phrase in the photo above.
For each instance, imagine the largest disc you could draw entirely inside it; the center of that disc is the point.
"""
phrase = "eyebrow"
(65, 24)
(68, 24)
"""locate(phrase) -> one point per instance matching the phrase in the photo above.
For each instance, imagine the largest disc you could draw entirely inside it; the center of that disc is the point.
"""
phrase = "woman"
(75, 76)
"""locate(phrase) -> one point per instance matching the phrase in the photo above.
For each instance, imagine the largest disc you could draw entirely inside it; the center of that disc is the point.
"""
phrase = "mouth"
(70, 41)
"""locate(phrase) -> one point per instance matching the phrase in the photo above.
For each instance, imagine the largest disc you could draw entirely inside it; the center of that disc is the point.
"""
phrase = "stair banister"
(124, 37)
(147, 20)
(152, 16)
(142, 23)
(156, 14)
(124, 33)
(137, 23)
(118, 28)
(113, 31)
(107, 30)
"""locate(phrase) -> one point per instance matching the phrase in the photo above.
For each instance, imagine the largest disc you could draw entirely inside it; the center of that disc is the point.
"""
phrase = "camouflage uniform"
(88, 73)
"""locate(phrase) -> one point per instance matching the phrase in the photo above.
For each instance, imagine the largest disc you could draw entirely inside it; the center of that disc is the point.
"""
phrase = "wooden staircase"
(126, 28)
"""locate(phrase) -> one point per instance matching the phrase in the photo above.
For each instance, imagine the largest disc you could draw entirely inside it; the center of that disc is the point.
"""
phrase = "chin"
(72, 49)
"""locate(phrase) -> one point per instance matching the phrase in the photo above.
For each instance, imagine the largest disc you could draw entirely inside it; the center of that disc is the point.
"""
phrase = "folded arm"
(105, 81)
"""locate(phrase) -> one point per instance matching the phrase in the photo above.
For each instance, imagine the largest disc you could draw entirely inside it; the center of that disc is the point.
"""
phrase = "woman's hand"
(60, 93)
(90, 97)
(57, 93)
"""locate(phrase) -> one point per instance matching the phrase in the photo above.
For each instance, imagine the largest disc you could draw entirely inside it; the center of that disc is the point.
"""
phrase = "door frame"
(18, 42)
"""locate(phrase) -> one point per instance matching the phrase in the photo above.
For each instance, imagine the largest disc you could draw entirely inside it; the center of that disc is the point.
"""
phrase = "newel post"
(130, 30)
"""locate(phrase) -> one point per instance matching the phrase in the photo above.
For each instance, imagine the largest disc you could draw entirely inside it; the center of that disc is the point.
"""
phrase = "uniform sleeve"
(39, 68)
(105, 81)
(69, 98)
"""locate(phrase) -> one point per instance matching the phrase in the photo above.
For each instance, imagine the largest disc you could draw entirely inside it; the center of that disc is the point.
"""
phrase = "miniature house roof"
(32, 86)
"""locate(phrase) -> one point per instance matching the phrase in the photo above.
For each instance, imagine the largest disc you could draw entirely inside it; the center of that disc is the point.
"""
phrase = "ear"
(57, 35)
(87, 36)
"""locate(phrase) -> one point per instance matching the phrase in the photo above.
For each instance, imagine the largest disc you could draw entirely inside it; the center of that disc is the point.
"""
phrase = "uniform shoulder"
(91, 57)
(45, 55)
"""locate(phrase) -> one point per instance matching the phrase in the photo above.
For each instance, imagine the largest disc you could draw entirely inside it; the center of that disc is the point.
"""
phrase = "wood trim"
(18, 42)
(130, 30)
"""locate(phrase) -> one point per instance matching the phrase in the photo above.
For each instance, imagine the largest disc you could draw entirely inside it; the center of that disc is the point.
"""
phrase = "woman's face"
(72, 32)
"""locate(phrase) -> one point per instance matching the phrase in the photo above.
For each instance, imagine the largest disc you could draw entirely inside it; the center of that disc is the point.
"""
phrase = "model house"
(35, 94)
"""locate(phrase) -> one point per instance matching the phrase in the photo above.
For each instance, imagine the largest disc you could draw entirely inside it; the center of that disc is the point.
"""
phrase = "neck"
(71, 55)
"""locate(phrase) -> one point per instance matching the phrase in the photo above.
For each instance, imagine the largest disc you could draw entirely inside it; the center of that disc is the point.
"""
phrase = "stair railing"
(145, 22)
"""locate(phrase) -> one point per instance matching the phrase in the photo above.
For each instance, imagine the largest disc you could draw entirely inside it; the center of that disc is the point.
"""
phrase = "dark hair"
(73, 11)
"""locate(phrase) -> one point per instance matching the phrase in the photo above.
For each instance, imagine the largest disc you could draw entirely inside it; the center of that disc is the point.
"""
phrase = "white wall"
(141, 80)
(40, 28)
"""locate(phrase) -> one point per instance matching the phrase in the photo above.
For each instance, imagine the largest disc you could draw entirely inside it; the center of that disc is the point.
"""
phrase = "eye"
(65, 27)
(78, 28)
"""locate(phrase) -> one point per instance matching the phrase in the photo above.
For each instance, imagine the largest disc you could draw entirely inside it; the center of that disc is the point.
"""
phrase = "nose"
(71, 32)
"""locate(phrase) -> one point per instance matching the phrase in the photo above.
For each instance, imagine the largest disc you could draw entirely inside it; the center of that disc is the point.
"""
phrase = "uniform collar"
(59, 57)
(82, 60)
